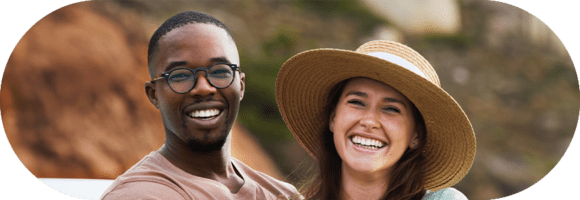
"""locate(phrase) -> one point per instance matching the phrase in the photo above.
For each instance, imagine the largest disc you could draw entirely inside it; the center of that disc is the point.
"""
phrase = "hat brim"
(303, 87)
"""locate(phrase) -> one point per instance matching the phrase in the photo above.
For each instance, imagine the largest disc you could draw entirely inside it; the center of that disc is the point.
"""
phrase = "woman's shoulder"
(444, 194)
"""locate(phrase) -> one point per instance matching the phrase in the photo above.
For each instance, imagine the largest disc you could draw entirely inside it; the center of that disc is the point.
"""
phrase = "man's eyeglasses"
(182, 80)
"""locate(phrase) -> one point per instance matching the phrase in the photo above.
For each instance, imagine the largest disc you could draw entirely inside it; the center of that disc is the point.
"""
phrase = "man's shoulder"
(156, 178)
(257, 174)
(264, 180)
(150, 167)
(143, 190)
(147, 179)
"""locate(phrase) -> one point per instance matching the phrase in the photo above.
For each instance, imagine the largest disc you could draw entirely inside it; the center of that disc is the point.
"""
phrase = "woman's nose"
(369, 121)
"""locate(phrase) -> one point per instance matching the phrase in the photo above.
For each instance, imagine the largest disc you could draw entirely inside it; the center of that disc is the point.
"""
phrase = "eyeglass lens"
(183, 80)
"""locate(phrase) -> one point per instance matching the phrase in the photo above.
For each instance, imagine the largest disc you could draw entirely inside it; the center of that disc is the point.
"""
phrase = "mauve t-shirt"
(154, 177)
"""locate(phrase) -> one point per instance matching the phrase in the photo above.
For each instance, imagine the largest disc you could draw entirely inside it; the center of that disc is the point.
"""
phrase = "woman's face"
(373, 125)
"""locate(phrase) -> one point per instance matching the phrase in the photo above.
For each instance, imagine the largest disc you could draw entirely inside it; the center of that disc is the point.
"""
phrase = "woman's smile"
(367, 143)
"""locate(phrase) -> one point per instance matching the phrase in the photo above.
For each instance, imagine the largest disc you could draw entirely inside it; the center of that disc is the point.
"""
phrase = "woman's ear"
(151, 93)
(415, 141)
(331, 121)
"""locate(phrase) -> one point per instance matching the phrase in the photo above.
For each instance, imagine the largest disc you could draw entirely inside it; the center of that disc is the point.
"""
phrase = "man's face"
(195, 46)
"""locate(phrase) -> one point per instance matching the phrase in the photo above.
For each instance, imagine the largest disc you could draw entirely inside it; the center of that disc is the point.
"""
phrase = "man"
(197, 85)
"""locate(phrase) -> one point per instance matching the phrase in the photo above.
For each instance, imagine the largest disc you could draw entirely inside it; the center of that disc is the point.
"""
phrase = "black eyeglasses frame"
(194, 71)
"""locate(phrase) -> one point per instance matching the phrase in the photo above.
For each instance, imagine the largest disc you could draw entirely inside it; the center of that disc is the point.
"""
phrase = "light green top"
(444, 194)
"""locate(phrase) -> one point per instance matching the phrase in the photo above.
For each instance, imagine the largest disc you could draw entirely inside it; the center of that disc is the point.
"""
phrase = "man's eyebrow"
(175, 64)
(219, 60)
(182, 63)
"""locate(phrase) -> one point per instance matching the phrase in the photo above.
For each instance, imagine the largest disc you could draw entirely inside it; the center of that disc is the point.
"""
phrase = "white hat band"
(399, 61)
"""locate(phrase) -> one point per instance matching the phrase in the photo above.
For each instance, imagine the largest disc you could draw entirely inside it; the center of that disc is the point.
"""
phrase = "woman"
(377, 122)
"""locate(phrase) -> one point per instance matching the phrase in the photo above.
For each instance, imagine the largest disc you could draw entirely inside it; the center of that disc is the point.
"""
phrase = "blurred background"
(73, 102)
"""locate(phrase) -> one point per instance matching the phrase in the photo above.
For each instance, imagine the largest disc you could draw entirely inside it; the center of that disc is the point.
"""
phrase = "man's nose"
(202, 86)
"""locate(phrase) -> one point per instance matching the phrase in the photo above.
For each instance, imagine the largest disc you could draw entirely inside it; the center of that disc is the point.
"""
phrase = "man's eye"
(221, 74)
(179, 77)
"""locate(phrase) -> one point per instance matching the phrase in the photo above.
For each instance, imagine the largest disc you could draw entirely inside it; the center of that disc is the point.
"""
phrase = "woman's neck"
(361, 185)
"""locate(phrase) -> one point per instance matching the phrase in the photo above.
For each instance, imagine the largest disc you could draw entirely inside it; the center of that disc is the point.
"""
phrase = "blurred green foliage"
(458, 41)
(365, 19)
(258, 110)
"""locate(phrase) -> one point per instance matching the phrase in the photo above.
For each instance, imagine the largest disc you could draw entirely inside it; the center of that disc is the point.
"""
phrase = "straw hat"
(305, 80)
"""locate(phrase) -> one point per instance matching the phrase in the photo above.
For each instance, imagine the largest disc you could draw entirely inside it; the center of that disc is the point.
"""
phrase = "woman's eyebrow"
(394, 100)
(386, 99)
(357, 93)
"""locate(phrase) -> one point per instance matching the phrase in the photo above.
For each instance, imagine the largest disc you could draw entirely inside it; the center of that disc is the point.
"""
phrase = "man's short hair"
(181, 19)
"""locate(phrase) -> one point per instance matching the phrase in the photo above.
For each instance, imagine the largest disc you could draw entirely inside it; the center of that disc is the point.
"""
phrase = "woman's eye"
(392, 109)
(356, 102)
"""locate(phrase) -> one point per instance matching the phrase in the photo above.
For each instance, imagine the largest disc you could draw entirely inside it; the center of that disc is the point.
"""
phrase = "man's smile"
(205, 114)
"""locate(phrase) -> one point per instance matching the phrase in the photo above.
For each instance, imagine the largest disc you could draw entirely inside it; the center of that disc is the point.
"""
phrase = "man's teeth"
(205, 113)
(367, 142)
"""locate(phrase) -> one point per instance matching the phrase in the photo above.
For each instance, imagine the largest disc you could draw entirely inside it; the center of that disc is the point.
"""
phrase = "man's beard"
(202, 146)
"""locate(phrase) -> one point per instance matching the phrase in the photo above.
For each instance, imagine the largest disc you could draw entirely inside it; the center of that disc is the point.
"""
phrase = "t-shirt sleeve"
(142, 190)
(445, 194)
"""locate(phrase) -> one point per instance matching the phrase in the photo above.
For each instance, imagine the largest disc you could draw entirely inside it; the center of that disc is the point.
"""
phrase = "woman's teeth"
(367, 142)
(204, 113)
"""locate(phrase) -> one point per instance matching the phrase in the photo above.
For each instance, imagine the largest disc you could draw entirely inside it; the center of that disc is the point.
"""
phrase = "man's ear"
(242, 84)
(151, 93)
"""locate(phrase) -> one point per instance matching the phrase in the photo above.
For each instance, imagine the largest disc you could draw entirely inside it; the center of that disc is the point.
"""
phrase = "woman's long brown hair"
(406, 182)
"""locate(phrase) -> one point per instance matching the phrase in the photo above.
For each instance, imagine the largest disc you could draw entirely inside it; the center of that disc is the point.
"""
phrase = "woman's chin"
(365, 165)
(366, 161)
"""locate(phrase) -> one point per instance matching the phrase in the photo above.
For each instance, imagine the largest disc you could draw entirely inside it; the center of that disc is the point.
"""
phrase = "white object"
(419, 16)
(399, 61)
(79, 188)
